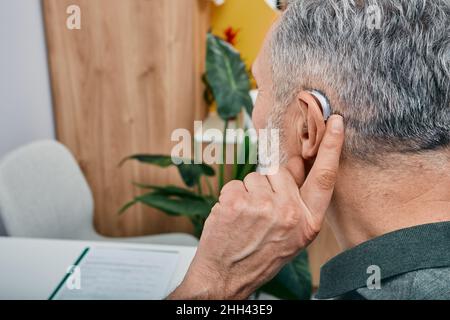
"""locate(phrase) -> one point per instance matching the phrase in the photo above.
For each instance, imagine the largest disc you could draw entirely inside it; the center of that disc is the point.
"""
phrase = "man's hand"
(260, 224)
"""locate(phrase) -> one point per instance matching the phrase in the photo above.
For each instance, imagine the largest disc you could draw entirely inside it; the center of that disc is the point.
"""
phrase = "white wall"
(25, 98)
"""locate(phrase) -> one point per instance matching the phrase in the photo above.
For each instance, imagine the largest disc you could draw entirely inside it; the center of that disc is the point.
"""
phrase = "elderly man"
(385, 191)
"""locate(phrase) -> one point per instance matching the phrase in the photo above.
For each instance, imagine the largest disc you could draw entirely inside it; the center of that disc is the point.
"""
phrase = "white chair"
(44, 194)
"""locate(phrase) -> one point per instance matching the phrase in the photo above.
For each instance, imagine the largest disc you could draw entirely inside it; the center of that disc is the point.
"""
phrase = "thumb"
(319, 185)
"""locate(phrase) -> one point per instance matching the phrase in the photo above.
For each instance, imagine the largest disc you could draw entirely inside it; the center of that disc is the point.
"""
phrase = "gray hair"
(391, 84)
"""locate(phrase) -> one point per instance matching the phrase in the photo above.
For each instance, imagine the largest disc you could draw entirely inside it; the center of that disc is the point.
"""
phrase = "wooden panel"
(121, 85)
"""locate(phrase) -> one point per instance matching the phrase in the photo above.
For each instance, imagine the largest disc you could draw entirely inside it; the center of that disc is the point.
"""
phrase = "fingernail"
(337, 124)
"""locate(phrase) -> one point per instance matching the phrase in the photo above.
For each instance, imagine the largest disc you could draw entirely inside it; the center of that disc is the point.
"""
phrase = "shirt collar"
(420, 247)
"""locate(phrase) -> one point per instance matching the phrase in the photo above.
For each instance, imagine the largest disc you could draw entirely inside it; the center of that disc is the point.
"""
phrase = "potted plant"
(228, 84)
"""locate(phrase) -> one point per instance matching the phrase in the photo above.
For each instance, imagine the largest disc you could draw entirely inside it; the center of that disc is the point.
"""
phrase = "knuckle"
(314, 228)
(231, 192)
(326, 179)
(237, 205)
(216, 207)
(215, 211)
(224, 199)
(331, 142)
(292, 217)
(265, 205)
(210, 221)
(237, 184)
(233, 186)
(254, 176)
(311, 233)
(302, 241)
(239, 196)
(290, 210)
(311, 230)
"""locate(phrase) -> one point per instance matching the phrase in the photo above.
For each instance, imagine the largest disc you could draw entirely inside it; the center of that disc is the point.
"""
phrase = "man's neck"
(370, 201)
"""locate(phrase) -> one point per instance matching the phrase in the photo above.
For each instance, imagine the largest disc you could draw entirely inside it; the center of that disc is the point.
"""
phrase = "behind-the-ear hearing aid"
(324, 103)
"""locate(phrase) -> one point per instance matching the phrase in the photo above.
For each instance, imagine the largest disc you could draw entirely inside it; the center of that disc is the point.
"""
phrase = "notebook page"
(122, 274)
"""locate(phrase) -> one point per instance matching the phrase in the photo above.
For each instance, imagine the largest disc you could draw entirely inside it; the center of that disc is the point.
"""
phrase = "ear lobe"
(314, 126)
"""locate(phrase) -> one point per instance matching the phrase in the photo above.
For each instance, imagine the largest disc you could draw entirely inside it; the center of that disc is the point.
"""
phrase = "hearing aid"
(324, 103)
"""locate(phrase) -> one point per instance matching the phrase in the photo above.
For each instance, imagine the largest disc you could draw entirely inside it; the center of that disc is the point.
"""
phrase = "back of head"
(384, 65)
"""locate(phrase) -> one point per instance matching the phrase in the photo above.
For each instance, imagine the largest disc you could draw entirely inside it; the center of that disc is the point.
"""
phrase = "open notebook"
(118, 274)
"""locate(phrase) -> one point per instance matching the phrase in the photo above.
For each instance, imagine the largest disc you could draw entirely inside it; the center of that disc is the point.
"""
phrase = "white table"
(32, 268)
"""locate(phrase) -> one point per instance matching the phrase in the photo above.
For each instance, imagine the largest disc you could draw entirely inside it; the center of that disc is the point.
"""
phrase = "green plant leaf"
(293, 282)
(175, 201)
(170, 190)
(176, 205)
(189, 172)
(207, 94)
(127, 206)
(157, 160)
(228, 78)
(244, 169)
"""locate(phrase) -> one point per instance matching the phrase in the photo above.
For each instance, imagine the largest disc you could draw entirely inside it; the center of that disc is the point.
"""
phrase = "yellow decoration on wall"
(252, 17)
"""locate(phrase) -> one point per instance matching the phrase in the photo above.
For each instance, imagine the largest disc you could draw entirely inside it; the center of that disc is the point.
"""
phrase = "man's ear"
(313, 127)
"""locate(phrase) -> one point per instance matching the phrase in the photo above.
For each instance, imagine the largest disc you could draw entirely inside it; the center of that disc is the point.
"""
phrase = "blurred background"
(119, 86)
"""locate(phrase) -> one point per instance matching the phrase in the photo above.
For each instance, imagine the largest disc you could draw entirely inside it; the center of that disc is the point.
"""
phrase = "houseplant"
(227, 83)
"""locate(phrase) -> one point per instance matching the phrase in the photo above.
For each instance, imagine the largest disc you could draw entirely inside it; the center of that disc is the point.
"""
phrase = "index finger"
(318, 188)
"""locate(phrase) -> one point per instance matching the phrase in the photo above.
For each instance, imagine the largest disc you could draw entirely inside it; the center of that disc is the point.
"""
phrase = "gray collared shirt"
(413, 263)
